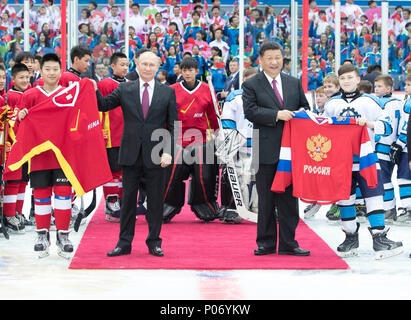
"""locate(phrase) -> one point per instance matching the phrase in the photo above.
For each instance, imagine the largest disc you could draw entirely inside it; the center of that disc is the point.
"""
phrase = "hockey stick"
(313, 100)
(84, 213)
(243, 212)
(3, 183)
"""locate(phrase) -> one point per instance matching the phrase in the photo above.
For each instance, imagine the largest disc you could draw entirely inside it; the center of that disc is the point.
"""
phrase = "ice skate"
(390, 216)
(112, 209)
(361, 210)
(14, 225)
(311, 210)
(403, 217)
(42, 243)
(384, 247)
(349, 248)
(333, 215)
(64, 245)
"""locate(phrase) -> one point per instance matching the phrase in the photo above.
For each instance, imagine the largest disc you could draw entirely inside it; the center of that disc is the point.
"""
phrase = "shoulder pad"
(377, 101)
(233, 94)
(407, 105)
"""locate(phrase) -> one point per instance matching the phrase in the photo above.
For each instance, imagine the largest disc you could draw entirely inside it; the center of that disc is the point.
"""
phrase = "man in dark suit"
(148, 107)
(233, 80)
(133, 75)
(269, 99)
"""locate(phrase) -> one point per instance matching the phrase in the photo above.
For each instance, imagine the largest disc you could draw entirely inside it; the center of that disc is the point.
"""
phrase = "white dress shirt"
(279, 83)
(150, 90)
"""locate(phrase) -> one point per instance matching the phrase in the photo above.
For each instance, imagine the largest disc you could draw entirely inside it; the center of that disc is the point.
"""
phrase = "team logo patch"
(68, 96)
(318, 147)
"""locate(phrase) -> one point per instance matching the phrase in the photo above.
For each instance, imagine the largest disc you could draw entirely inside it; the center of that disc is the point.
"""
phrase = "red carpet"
(189, 243)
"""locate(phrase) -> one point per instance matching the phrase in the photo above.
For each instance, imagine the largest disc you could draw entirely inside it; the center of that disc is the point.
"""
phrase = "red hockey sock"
(110, 188)
(62, 206)
(20, 197)
(42, 207)
(119, 176)
(10, 198)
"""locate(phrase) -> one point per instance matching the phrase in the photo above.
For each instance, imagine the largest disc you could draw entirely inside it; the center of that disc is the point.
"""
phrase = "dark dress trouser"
(287, 209)
(154, 178)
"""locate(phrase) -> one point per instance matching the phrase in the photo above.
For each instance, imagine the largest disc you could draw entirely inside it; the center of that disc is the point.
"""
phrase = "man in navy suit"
(148, 106)
(269, 99)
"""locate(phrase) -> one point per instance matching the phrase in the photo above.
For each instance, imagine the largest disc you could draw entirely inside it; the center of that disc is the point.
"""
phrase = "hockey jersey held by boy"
(68, 124)
(317, 154)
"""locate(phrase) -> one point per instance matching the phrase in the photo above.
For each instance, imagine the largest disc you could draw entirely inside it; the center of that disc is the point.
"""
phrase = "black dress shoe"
(295, 252)
(262, 251)
(119, 252)
(156, 251)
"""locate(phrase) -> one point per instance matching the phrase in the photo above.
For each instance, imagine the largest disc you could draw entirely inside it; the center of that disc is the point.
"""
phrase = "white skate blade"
(65, 255)
(379, 255)
(334, 222)
(12, 231)
(312, 212)
(348, 254)
(43, 254)
(402, 223)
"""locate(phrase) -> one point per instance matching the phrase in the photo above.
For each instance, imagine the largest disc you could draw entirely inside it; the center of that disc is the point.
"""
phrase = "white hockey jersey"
(359, 105)
(392, 107)
(233, 117)
(403, 124)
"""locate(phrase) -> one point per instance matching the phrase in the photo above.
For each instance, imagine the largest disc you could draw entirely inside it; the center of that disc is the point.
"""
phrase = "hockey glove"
(395, 153)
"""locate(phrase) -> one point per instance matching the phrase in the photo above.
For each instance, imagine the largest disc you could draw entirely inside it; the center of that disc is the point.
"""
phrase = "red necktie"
(277, 93)
(145, 101)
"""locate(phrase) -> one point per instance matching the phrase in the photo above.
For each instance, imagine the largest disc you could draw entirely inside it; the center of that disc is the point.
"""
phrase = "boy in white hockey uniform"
(399, 156)
(382, 87)
(368, 111)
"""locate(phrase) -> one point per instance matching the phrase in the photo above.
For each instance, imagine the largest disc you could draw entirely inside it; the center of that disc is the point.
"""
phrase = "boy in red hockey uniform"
(46, 174)
(197, 120)
(80, 62)
(14, 192)
(113, 125)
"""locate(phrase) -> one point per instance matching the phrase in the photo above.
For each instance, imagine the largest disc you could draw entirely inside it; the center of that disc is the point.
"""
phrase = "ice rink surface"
(24, 276)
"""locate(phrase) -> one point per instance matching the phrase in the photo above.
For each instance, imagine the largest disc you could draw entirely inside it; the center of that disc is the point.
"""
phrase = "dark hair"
(345, 68)
(18, 67)
(49, 57)
(23, 56)
(79, 52)
(195, 13)
(270, 46)
(365, 86)
(116, 56)
(347, 60)
(189, 63)
(135, 5)
(46, 39)
(163, 72)
(218, 50)
(94, 4)
(386, 79)
(87, 11)
(140, 51)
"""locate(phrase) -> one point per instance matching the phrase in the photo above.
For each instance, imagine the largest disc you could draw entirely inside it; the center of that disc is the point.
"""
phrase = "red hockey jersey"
(195, 111)
(66, 124)
(317, 157)
(113, 122)
(67, 78)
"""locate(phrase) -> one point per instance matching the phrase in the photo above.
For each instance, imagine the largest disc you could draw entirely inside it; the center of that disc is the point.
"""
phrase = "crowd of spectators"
(209, 33)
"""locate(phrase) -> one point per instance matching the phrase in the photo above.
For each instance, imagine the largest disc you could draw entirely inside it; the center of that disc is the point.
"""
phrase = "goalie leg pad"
(205, 212)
